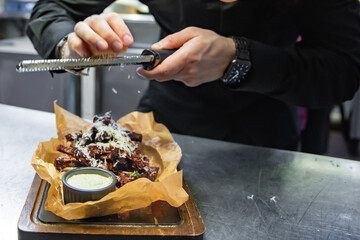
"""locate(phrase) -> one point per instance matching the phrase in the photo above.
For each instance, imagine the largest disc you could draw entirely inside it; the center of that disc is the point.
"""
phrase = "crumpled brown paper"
(157, 144)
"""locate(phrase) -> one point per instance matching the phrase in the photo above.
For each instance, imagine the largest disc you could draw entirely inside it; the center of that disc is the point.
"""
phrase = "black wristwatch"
(240, 66)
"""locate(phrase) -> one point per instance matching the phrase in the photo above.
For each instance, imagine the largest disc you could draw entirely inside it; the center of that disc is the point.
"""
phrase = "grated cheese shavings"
(117, 137)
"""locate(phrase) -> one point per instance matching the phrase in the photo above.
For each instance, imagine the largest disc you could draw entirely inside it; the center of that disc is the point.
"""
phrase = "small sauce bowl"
(87, 184)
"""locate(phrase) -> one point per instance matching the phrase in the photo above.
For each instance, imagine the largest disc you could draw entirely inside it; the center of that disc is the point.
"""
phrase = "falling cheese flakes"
(251, 197)
(273, 199)
(114, 90)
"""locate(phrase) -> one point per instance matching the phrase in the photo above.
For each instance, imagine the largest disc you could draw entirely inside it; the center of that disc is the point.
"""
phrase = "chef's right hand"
(98, 35)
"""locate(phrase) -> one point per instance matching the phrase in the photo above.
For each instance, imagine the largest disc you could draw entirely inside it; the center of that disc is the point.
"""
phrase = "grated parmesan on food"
(117, 138)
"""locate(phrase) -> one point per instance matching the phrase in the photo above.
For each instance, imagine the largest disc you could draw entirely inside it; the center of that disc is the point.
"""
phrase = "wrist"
(231, 46)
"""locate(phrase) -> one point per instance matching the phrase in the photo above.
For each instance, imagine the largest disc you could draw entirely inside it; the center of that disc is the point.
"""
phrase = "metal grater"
(64, 64)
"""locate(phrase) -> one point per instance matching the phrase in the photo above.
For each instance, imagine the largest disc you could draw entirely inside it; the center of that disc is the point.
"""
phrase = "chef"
(239, 71)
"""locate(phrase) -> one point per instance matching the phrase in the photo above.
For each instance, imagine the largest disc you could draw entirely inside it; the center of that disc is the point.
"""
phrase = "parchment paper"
(157, 144)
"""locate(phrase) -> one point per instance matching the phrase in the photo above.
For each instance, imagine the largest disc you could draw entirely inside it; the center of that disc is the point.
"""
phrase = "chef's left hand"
(202, 56)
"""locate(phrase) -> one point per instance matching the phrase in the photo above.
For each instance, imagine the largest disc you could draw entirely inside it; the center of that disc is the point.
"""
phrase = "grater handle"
(159, 57)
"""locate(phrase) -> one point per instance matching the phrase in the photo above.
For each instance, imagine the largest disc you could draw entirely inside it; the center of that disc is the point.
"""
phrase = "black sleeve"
(50, 21)
(323, 69)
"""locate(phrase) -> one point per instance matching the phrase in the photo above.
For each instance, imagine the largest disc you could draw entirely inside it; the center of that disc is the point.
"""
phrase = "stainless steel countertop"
(20, 131)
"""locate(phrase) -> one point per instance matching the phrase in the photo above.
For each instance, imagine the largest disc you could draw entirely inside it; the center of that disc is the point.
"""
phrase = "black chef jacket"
(322, 70)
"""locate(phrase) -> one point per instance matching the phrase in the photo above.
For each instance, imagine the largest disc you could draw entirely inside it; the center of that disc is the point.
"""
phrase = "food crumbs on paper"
(273, 199)
(155, 140)
(114, 90)
(251, 197)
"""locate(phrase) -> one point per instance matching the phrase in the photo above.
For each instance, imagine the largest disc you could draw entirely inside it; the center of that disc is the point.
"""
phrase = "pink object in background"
(298, 39)
(303, 117)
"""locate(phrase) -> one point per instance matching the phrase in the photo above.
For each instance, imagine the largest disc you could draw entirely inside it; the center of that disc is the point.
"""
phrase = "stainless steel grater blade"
(63, 64)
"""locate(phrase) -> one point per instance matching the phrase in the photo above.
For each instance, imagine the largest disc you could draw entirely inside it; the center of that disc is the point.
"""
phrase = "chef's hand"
(104, 34)
(202, 56)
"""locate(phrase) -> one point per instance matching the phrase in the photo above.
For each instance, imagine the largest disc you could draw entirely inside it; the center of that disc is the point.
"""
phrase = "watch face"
(238, 70)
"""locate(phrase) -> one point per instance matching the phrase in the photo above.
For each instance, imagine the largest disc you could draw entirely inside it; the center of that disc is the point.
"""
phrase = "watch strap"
(242, 48)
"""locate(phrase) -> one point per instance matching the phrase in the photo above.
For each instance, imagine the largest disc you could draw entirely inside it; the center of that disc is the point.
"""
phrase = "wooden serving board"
(158, 221)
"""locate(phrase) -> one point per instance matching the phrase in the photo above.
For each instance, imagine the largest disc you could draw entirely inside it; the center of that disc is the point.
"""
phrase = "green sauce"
(89, 181)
